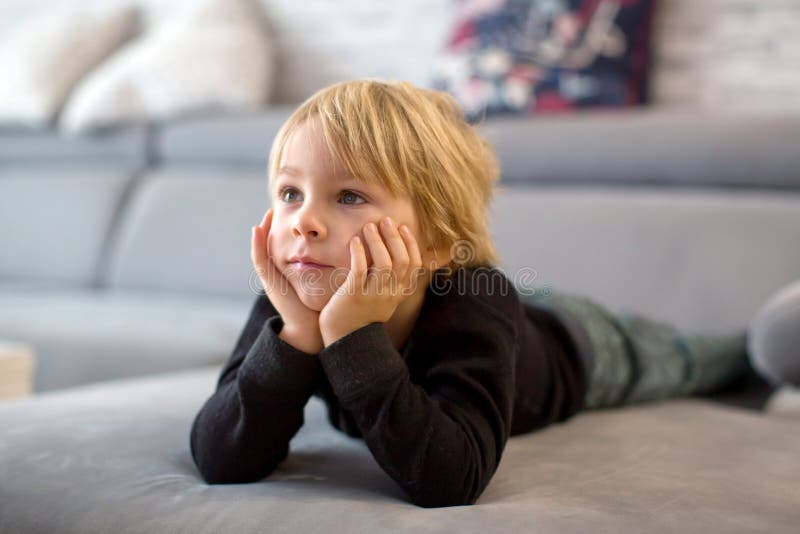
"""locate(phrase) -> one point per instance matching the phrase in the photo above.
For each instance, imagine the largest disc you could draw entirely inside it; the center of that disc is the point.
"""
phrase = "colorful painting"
(525, 57)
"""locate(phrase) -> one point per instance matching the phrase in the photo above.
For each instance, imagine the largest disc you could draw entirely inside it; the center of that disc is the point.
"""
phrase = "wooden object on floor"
(17, 362)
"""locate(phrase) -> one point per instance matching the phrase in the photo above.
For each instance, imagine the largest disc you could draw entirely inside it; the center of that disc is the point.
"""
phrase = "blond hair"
(413, 142)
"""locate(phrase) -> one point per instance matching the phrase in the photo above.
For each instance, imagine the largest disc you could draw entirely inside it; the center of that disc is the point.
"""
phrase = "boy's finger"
(266, 222)
(262, 234)
(358, 261)
(260, 256)
(256, 250)
(415, 258)
(397, 248)
(261, 261)
(381, 258)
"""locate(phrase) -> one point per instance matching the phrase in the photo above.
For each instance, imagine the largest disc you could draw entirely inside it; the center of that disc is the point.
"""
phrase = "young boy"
(381, 298)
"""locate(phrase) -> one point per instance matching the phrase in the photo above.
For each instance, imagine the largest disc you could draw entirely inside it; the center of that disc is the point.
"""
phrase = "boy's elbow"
(457, 485)
(213, 478)
(441, 499)
(441, 503)
(214, 468)
(223, 474)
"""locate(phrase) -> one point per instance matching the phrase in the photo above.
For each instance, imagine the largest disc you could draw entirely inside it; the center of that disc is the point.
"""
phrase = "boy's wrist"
(302, 339)
(331, 335)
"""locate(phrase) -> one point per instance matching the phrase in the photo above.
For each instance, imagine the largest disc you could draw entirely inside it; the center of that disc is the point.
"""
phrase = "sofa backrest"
(693, 220)
(653, 147)
(701, 258)
(58, 200)
(185, 227)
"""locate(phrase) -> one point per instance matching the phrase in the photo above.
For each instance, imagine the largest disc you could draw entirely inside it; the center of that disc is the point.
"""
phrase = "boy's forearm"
(302, 339)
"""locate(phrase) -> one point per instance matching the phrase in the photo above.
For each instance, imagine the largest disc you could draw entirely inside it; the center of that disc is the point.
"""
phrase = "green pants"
(633, 359)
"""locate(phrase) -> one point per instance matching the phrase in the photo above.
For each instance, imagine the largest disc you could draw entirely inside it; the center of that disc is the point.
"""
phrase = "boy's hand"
(369, 296)
(300, 323)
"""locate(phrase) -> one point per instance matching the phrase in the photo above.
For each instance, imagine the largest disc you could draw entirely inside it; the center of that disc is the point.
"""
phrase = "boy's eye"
(348, 197)
(284, 191)
(352, 195)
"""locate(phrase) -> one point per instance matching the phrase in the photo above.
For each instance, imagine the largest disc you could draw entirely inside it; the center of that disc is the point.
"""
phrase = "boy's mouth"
(307, 262)
(302, 266)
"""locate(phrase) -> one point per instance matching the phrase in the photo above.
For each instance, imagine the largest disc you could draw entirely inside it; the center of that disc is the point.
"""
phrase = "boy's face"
(318, 208)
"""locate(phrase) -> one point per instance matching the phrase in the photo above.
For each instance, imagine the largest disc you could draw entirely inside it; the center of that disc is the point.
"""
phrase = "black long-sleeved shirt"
(479, 366)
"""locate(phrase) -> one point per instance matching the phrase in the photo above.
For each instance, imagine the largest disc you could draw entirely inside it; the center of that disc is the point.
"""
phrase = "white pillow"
(46, 56)
(217, 54)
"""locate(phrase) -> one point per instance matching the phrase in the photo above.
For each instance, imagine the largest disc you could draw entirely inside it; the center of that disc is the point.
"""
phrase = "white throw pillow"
(43, 59)
(217, 54)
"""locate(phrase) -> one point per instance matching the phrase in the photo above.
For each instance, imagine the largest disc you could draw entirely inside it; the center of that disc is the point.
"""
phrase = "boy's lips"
(307, 262)
(300, 266)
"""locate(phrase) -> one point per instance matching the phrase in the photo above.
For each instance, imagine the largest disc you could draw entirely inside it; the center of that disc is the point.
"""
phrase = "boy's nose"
(309, 226)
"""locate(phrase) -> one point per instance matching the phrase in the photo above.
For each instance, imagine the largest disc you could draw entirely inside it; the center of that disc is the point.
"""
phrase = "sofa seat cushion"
(118, 454)
(82, 336)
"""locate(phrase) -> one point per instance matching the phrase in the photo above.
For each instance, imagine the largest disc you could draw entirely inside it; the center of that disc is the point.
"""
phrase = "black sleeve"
(243, 430)
(440, 439)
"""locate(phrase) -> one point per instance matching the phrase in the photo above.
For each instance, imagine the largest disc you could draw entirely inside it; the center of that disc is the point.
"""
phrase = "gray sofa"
(126, 256)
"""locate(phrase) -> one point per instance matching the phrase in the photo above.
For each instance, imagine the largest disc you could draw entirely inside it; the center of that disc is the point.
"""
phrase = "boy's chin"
(314, 302)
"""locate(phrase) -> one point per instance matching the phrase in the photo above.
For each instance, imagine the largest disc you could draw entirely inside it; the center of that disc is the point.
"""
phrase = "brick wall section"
(737, 55)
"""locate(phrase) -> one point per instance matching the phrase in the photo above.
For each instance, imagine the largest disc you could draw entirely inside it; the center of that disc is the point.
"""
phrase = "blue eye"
(349, 198)
(350, 194)
(283, 192)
